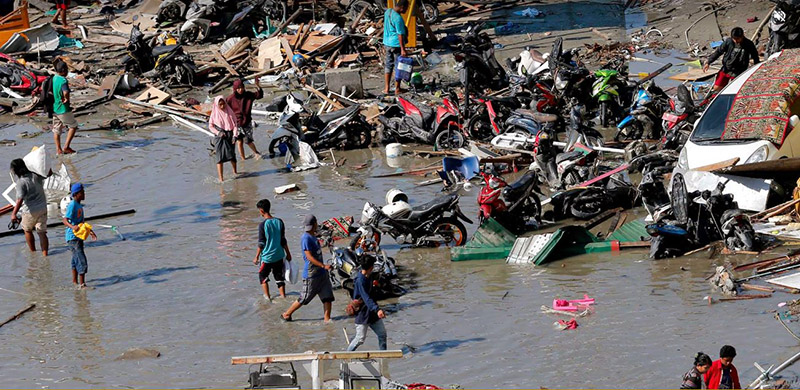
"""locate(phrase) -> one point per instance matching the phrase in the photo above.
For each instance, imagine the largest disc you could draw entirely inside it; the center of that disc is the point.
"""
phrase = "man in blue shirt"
(394, 38)
(72, 218)
(315, 273)
(369, 314)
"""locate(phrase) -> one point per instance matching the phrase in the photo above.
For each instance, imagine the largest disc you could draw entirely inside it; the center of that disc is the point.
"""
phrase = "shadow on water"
(202, 213)
(148, 276)
(136, 143)
(437, 348)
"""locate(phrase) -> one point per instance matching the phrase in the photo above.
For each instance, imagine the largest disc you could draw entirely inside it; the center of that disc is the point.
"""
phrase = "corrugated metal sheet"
(491, 242)
(630, 232)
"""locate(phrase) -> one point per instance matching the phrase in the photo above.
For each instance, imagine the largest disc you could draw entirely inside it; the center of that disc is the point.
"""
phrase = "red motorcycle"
(411, 121)
(513, 205)
(678, 121)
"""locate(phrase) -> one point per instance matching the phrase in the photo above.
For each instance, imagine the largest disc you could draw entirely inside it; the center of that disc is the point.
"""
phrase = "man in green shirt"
(62, 113)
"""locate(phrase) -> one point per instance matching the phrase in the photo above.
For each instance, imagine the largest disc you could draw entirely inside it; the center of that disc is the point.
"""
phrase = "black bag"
(47, 97)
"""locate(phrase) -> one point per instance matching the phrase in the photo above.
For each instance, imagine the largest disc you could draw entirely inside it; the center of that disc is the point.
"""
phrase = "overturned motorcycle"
(346, 263)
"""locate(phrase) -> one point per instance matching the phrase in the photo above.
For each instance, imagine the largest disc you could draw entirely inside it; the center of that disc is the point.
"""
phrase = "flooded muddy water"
(183, 283)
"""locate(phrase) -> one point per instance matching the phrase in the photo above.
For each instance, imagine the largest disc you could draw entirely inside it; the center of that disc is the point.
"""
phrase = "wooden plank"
(719, 165)
(322, 96)
(694, 75)
(600, 218)
(755, 287)
(299, 34)
(469, 6)
(18, 314)
(295, 357)
(744, 297)
(153, 95)
(289, 53)
(783, 165)
(224, 62)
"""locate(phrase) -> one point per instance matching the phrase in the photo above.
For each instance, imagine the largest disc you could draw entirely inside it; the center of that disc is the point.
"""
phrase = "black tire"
(604, 114)
(275, 10)
(348, 285)
(430, 12)
(454, 224)
(273, 144)
(589, 204)
(355, 7)
(532, 208)
(479, 127)
(449, 138)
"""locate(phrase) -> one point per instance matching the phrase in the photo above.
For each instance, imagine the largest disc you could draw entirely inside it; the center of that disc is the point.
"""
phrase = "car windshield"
(713, 123)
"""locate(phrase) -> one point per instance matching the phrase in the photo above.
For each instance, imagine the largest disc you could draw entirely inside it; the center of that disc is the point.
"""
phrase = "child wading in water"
(72, 218)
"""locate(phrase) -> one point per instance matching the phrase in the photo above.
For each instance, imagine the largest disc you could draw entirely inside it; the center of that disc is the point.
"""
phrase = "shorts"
(78, 256)
(37, 220)
(277, 270)
(722, 79)
(245, 134)
(64, 120)
(321, 285)
(62, 4)
(391, 59)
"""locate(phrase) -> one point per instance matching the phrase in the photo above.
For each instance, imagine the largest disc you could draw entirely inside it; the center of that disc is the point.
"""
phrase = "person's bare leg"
(326, 307)
(45, 242)
(74, 277)
(288, 314)
(70, 136)
(82, 280)
(219, 172)
(396, 87)
(252, 146)
(387, 78)
(57, 140)
(31, 240)
(55, 17)
(64, 18)
(233, 164)
(240, 146)
(282, 291)
(265, 287)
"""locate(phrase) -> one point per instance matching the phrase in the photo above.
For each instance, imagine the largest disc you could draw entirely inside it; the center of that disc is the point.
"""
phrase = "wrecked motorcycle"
(168, 63)
(784, 26)
(410, 120)
(346, 263)
(437, 222)
(644, 120)
(513, 205)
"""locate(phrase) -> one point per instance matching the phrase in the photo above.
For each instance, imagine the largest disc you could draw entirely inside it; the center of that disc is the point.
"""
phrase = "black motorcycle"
(346, 263)
(341, 129)
(168, 63)
(477, 66)
(784, 26)
(514, 205)
(435, 223)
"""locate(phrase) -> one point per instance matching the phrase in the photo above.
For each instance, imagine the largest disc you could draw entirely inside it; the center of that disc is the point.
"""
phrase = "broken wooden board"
(316, 40)
(764, 168)
(269, 53)
(719, 165)
(153, 95)
(694, 74)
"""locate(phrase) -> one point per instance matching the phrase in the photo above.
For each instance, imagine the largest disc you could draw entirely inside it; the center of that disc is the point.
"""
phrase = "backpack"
(47, 98)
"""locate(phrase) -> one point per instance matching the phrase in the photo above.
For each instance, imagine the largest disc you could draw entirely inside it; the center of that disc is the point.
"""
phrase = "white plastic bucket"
(394, 150)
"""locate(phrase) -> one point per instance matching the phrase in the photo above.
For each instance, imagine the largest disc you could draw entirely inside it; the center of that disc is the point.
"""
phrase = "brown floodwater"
(183, 283)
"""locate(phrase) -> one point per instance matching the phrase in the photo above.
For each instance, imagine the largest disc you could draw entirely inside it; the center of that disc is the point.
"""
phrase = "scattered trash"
(529, 12)
(286, 189)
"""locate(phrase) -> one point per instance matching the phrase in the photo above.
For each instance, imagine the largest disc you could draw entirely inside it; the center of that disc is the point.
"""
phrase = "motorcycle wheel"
(589, 204)
(358, 241)
(430, 12)
(395, 291)
(604, 114)
(480, 128)
(449, 138)
(348, 285)
(746, 237)
(359, 135)
(355, 9)
(275, 10)
(453, 229)
(532, 208)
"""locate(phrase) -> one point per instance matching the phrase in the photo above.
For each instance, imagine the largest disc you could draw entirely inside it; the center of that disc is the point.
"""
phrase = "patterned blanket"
(761, 108)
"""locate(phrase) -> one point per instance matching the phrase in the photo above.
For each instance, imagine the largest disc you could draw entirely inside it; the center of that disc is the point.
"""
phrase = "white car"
(710, 144)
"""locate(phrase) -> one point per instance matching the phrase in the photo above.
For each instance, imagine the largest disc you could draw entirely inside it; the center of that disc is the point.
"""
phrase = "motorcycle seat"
(501, 99)
(159, 50)
(568, 156)
(349, 256)
(537, 116)
(331, 116)
(537, 56)
(423, 210)
(523, 181)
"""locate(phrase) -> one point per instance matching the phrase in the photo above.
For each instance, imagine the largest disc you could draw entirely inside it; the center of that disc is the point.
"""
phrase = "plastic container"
(403, 68)
(394, 150)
